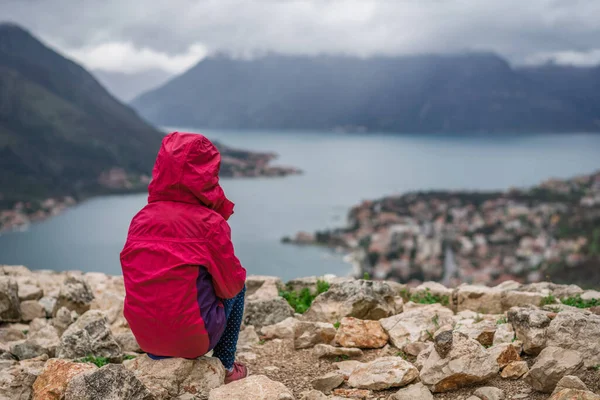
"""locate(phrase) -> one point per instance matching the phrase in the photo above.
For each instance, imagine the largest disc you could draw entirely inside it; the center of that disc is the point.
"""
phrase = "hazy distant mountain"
(126, 86)
(59, 128)
(455, 93)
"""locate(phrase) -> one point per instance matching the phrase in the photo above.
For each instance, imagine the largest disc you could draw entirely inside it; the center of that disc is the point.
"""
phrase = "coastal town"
(551, 230)
(234, 164)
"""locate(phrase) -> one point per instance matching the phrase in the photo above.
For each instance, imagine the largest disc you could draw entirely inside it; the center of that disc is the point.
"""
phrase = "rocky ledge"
(63, 336)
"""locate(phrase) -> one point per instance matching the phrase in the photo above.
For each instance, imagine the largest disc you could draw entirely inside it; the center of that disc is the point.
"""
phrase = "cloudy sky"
(134, 36)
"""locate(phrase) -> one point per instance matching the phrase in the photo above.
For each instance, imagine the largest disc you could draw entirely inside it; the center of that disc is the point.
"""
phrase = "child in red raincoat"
(184, 285)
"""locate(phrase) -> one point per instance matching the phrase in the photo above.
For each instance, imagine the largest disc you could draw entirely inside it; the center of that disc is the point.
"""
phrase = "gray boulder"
(308, 334)
(16, 380)
(111, 382)
(27, 350)
(90, 335)
(530, 325)
(10, 306)
(75, 294)
(466, 363)
(577, 331)
(418, 391)
(551, 366)
(360, 299)
(266, 312)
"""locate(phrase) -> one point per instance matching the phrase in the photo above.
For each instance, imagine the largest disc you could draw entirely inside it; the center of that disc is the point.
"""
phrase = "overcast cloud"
(172, 35)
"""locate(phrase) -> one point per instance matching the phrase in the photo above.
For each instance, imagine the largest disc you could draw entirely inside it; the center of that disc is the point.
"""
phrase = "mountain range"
(473, 92)
(59, 128)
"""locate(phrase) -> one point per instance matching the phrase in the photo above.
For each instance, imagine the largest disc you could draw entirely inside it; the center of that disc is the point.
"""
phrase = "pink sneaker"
(239, 372)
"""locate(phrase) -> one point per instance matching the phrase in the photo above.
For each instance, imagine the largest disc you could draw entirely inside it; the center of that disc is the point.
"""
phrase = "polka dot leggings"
(234, 310)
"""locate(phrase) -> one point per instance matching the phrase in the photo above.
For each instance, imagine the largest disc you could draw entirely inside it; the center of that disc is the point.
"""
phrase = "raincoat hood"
(187, 171)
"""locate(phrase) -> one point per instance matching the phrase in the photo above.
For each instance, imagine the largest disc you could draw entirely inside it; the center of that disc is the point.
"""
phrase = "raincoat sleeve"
(226, 271)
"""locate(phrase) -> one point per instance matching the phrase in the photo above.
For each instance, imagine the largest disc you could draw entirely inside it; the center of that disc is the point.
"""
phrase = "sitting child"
(184, 285)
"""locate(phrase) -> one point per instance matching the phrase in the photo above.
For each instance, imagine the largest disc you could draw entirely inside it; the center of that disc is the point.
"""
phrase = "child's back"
(178, 261)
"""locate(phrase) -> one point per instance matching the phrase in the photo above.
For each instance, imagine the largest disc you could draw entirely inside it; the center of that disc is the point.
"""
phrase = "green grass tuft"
(129, 357)
(428, 298)
(501, 321)
(97, 361)
(550, 299)
(577, 301)
(337, 325)
(301, 301)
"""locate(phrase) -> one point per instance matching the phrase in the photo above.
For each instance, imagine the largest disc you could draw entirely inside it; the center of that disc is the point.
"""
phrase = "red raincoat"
(178, 260)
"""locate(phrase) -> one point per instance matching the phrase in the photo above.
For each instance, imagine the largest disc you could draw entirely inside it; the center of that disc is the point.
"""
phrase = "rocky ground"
(63, 336)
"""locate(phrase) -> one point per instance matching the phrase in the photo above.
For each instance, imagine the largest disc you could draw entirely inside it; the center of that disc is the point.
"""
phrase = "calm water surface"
(340, 171)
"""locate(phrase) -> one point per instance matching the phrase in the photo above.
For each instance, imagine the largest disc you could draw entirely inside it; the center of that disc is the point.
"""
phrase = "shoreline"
(547, 231)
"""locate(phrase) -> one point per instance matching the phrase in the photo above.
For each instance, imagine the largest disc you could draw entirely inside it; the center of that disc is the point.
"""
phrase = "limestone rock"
(259, 287)
(569, 382)
(127, 342)
(48, 303)
(47, 338)
(504, 354)
(361, 334)
(590, 295)
(327, 351)
(515, 370)
(520, 299)
(75, 294)
(177, 376)
(308, 334)
(550, 366)
(361, 299)
(490, 393)
(435, 288)
(62, 320)
(504, 334)
(52, 382)
(424, 356)
(414, 349)
(37, 324)
(266, 312)
(90, 335)
(418, 391)
(248, 337)
(574, 394)
(347, 367)
(466, 363)
(16, 381)
(530, 325)
(328, 382)
(341, 394)
(31, 309)
(11, 335)
(281, 330)
(383, 373)
(111, 382)
(313, 395)
(10, 306)
(28, 291)
(481, 299)
(483, 331)
(27, 349)
(256, 387)
(577, 331)
(416, 325)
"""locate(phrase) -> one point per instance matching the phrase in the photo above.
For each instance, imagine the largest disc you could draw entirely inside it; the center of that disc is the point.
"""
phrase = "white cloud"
(162, 32)
(577, 58)
(125, 57)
